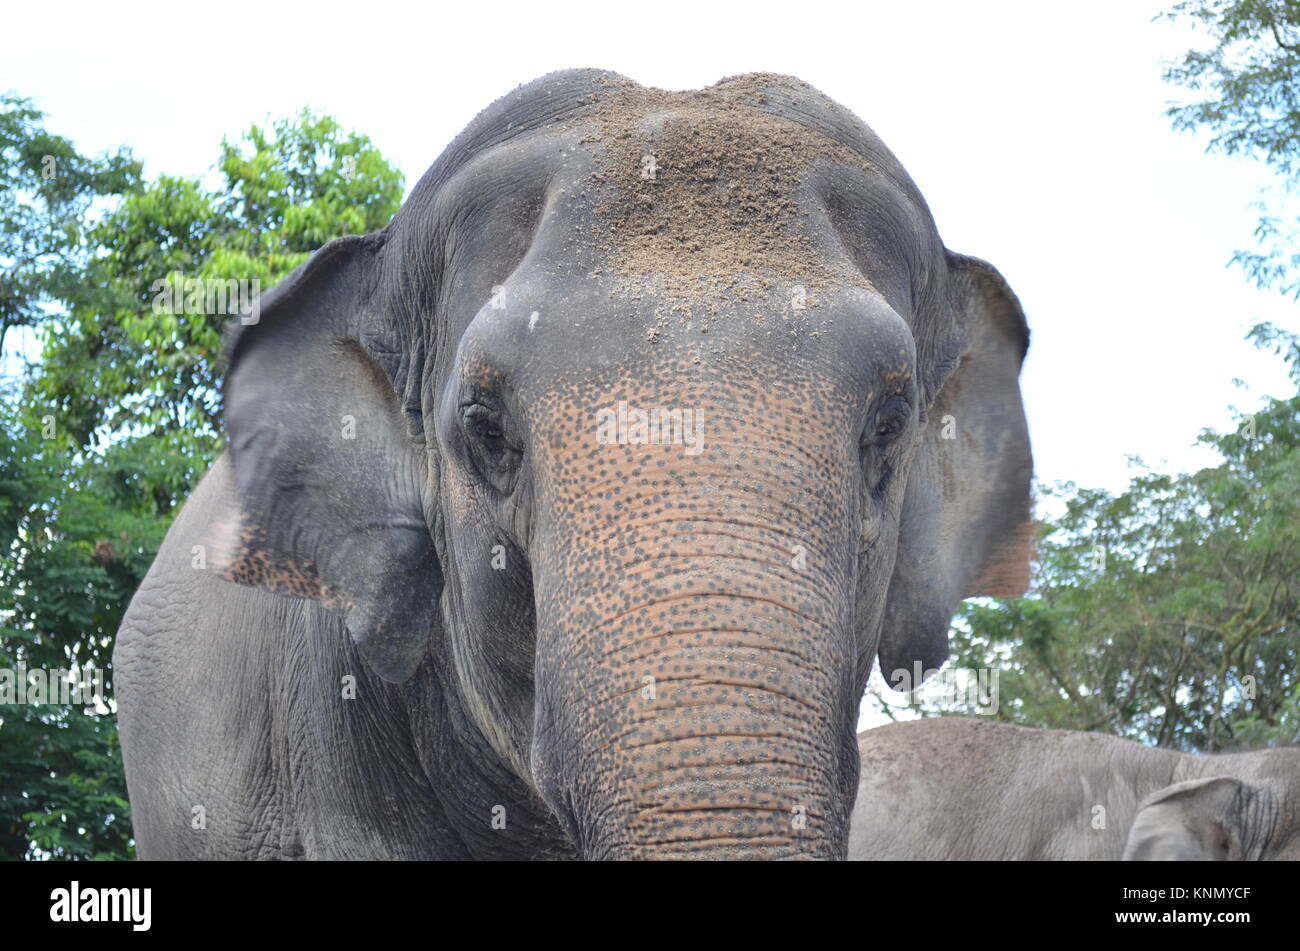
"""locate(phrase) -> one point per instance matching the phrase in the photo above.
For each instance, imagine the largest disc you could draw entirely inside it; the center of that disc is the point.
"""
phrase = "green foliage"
(107, 432)
(65, 585)
(1169, 612)
(1248, 98)
(48, 193)
(119, 363)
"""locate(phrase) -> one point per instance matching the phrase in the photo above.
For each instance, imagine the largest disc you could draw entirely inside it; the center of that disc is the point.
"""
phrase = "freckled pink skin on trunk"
(727, 578)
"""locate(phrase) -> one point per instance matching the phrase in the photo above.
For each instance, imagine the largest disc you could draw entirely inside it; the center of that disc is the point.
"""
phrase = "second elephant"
(965, 789)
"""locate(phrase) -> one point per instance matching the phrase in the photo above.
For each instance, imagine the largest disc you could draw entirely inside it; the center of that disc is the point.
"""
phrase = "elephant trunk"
(694, 674)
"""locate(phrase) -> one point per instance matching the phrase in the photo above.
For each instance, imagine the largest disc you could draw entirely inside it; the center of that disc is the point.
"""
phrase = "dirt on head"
(700, 203)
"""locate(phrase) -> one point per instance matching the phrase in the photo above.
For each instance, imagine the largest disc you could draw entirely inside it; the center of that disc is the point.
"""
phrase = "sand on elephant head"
(700, 203)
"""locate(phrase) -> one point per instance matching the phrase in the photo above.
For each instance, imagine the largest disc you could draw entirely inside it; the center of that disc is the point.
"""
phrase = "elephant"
(565, 516)
(961, 788)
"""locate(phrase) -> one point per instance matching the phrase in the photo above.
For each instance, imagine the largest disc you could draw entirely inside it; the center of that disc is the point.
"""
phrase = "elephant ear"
(1197, 820)
(328, 465)
(965, 528)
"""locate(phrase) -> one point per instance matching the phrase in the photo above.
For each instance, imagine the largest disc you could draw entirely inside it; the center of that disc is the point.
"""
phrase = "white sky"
(1034, 130)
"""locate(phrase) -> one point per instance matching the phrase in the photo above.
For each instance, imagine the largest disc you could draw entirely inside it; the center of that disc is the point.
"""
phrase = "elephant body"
(566, 515)
(953, 788)
(246, 721)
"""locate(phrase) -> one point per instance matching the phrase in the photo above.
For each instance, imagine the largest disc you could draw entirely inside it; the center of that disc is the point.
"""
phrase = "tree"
(117, 362)
(47, 198)
(108, 431)
(1247, 86)
(75, 551)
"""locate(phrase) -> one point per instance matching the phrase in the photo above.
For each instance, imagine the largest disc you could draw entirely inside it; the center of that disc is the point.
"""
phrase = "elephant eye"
(890, 420)
(493, 454)
(482, 422)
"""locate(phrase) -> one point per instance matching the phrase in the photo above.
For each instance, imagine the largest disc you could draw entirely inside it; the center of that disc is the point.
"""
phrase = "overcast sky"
(1036, 131)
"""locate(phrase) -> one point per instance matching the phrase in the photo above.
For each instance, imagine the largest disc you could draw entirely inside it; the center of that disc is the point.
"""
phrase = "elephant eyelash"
(484, 423)
(890, 421)
(478, 416)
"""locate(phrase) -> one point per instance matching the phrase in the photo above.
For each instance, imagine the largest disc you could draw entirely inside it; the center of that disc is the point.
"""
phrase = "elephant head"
(1222, 818)
(645, 424)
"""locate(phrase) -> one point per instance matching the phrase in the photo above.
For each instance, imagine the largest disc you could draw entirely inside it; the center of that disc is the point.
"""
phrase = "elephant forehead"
(555, 330)
(703, 193)
(675, 210)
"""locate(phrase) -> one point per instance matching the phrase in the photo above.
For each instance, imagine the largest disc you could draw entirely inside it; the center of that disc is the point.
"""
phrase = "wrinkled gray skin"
(966, 789)
(493, 588)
